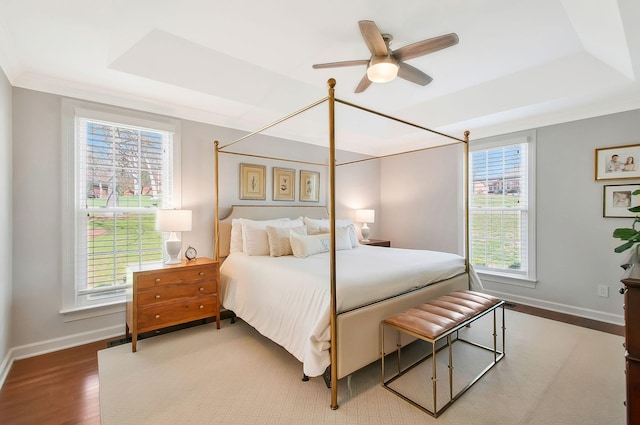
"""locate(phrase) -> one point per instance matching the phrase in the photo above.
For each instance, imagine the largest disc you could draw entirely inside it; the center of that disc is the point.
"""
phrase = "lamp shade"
(365, 216)
(173, 220)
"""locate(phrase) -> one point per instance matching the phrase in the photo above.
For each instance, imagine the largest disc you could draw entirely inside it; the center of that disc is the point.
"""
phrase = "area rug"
(553, 373)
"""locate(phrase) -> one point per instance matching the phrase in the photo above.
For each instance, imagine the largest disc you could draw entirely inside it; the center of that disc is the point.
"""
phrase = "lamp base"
(173, 248)
(365, 233)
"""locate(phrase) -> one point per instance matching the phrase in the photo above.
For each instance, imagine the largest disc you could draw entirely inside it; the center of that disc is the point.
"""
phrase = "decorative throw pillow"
(304, 246)
(279, 243)
(236, 243)
(314, 225)
(254, 234)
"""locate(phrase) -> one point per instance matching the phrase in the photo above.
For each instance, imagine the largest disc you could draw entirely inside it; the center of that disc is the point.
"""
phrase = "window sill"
(87, 312)
(507, 279)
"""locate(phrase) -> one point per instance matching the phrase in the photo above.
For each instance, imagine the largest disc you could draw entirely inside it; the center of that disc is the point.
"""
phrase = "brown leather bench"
(432, 322)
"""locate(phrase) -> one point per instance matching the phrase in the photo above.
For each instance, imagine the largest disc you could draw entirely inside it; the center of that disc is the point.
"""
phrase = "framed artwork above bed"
(309, 186)
(252, 182)
(284, 184)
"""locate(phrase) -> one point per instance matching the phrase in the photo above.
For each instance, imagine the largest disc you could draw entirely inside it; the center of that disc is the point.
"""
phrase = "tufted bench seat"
(438, 319)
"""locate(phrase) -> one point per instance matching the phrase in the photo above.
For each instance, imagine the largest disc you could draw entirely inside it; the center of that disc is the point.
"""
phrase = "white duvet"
(287, 299)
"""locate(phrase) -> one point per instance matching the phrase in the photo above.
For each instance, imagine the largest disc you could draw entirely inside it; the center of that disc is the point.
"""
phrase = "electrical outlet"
(603, 291)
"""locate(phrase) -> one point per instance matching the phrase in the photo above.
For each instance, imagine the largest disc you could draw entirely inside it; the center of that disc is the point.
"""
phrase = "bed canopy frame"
(331, 101)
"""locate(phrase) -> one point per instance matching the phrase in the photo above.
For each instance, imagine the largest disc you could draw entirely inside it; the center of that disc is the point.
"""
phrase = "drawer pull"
(201, 289)
(157, 296)
(157, 316)
(201, 273)
(201, 306)
(157, 280)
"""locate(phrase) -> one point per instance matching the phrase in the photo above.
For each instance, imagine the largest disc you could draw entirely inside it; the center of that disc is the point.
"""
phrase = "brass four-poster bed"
(335, 326)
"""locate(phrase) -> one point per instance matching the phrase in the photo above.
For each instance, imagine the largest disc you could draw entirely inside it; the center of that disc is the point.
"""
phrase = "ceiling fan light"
(382, 72)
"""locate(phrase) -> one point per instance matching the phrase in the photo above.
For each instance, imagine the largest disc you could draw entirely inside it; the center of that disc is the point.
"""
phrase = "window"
(502, 207)
(123, 171)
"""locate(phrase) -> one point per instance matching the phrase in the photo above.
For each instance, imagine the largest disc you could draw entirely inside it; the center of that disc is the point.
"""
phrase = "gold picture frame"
(618, 198)
(309, 186)
(252, 181)
(284, 184)
(618, 162)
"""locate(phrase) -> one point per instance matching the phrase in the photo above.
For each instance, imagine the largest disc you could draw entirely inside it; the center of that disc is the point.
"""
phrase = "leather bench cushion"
(434, 318)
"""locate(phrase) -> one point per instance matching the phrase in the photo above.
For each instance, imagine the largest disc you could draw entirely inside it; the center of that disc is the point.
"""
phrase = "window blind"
(124, 174)
(499, 209)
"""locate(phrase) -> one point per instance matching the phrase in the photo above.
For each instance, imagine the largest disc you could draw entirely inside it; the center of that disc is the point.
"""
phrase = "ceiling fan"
(385, 64)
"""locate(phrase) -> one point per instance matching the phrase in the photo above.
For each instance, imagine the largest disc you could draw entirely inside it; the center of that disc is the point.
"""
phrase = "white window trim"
(70, 108)
(529, 280)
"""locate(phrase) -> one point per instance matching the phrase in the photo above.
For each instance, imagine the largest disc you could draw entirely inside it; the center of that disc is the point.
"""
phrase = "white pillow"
(314, 225)
(353, 236)
(279, 243)
(304, 246)
(254, 234)
(236, 244)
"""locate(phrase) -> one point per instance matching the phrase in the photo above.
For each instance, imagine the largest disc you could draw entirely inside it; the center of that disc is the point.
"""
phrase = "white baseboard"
(48, 346)
(616, 319)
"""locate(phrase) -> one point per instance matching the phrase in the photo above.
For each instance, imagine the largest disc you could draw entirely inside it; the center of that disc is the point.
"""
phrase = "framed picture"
(618, 198)
(252, 182)
(618, 162)
(284, 183)
(309, 186)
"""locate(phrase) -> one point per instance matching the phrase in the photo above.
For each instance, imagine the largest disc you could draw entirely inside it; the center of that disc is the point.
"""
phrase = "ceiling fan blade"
(363, 85)
(340, 64)
(413, 74)
(424, 47)
(373, 38)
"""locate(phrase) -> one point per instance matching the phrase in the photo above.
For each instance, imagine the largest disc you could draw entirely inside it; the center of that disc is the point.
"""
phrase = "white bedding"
(287, 299)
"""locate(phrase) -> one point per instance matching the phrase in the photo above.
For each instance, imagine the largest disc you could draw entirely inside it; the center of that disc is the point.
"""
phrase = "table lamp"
(364, 217)
(173, 221)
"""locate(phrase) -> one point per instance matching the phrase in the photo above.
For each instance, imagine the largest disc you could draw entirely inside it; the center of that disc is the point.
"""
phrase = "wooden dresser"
(165, 295)
(631, 291)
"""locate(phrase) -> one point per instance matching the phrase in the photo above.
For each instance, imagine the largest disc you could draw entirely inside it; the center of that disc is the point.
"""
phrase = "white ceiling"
(519, 64)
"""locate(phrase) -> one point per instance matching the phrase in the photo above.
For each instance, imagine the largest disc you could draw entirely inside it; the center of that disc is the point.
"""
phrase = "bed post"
(216, 216)
(332, 214)
(465, 185)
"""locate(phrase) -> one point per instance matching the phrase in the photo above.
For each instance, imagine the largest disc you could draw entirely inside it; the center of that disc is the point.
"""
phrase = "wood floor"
(62, 387)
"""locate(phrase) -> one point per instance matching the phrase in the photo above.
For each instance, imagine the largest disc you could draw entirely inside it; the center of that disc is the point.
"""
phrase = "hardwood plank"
(56, 388)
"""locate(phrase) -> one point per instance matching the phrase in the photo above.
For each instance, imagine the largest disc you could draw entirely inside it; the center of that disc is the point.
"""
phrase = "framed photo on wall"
(252, 181)
(284, 184)
(309, 186)
(618, 162)
(618, 198)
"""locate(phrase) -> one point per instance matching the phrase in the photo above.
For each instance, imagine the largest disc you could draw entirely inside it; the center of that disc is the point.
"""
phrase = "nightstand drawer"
(172, 314)
(172, 277)
(162, 294)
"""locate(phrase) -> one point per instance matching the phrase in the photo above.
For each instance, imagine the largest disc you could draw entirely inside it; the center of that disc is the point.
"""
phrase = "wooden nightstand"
(165, 295)
(377, 242)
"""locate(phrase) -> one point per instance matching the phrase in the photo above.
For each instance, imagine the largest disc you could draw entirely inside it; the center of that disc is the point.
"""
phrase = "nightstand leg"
(134, 341)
